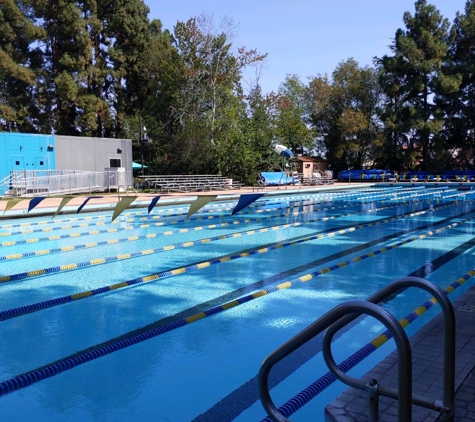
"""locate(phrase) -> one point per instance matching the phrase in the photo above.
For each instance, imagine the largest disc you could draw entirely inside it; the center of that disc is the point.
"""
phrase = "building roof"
(310, 159)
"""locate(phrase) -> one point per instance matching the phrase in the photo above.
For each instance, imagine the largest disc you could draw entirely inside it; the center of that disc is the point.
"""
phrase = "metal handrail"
(347, 313)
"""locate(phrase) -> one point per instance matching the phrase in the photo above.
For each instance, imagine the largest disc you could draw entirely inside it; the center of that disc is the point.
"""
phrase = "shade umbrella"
(283, 151)
(136, 166)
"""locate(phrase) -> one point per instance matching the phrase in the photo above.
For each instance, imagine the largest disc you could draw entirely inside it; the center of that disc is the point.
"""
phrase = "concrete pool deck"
(352, 405)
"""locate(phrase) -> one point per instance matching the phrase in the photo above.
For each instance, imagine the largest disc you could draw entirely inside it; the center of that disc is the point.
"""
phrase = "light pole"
(142, 136)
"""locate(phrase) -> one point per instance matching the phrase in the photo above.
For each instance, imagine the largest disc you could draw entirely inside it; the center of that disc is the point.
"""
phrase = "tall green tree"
(458, 97)
(343, 111)
(291, 123)
(66, 50)
(18, 55)
(211, 83)
(415, 67)
(126, 34)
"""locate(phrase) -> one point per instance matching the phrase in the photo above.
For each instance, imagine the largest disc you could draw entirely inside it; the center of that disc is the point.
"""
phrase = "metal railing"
(51, 182)
(188, 183)
(342, 315)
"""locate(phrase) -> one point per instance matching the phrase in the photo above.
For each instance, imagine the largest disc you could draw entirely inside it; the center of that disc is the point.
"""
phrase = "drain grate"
(466, 308)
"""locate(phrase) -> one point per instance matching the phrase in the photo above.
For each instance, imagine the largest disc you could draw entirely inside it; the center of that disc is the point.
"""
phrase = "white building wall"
(92, 154)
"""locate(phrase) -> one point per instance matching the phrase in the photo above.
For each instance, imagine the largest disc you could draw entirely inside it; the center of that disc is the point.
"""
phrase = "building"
(309, 165)
(54, 155)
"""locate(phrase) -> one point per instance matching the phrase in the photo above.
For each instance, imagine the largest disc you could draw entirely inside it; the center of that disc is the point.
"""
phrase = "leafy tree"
(211, 84)
(260, 129)
(343, 111)
(291, 121)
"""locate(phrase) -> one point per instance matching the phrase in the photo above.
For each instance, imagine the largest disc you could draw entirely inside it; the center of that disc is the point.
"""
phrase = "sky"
(303, 37)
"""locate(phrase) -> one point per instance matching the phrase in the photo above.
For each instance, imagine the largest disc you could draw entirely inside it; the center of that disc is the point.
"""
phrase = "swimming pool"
(163, 317)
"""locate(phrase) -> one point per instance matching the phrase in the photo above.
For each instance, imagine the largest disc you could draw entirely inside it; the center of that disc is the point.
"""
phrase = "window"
(115, 162)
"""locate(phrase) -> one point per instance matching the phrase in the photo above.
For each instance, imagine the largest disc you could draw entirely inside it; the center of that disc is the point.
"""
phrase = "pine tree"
(419, 53)
(458, 100)
(17, 75)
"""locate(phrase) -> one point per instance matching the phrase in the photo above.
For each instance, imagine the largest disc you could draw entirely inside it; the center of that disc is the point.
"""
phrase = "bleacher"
(188, 183)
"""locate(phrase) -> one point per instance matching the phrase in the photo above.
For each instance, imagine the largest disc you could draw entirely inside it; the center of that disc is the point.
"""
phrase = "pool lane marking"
(103, 223)
(98, 261)
(309, 393)
(15, 312)
(152, 235)
(95, 232)
(161, 224)
(239, 292)
(264, 201)
(247, 393)
(47, 371)
(201, 216)
(148, 236)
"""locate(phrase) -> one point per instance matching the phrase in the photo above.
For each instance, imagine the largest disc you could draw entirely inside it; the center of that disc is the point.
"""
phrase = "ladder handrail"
(348, 314)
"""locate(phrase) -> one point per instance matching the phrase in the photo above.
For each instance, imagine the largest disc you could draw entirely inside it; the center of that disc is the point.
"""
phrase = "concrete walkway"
(427, 351)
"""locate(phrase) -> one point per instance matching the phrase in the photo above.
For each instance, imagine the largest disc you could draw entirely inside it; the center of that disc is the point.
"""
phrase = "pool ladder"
(345, 313)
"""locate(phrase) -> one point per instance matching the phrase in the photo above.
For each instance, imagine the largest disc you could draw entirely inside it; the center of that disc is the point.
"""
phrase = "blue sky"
(304, 37)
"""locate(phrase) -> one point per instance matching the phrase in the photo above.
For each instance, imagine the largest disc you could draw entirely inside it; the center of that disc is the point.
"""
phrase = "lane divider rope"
(99, 261)
(16, 312)
(50, 370)
(102, 223)
(148, 236)
(70, 248)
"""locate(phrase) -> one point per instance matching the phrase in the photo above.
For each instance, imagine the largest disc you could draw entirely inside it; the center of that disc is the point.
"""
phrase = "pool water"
(129, 301)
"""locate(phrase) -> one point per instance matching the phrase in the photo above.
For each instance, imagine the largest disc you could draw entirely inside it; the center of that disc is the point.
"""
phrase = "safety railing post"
(373, 399)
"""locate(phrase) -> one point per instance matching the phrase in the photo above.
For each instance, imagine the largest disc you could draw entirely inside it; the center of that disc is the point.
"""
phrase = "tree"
(419, 53)
(343, 111)
(211, 84)
(291, 121)
(458, 98)
(17, 75)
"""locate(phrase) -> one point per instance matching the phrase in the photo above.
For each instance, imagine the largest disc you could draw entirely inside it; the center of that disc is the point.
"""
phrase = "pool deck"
(427, 352)
(352, 405)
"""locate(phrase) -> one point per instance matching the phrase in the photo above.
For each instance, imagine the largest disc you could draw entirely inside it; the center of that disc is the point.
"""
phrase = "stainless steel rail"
(342, 315)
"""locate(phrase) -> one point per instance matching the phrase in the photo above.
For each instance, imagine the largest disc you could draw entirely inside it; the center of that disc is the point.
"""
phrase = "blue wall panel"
(21, 151)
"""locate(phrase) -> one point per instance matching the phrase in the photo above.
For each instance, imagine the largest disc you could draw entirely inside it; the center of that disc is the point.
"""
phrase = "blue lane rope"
(72, 226)
(15, 312)
(263, 201)
(95, 232)
(153, 235)
(134, 238)
(309, 393)
(160, 224)
(201, 212)
(48, 371)
(99, 261)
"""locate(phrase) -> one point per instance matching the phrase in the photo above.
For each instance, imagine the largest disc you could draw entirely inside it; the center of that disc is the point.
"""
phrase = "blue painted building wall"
(22, 151)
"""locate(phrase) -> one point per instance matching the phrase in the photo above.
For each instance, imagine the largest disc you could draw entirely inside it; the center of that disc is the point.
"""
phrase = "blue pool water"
(106, 321)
